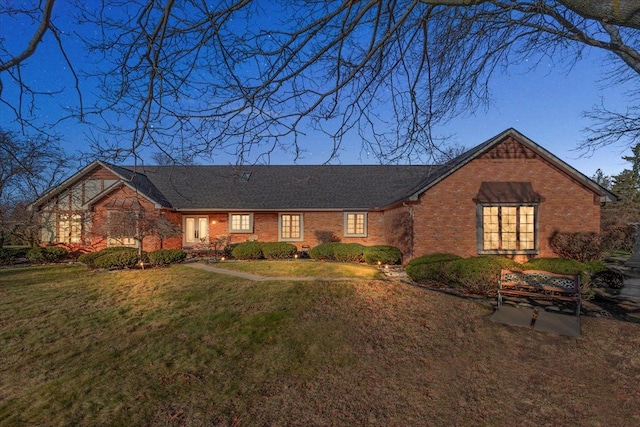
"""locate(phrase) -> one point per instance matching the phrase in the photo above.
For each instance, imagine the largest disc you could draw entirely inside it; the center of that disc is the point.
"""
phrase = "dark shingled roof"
(279, 187)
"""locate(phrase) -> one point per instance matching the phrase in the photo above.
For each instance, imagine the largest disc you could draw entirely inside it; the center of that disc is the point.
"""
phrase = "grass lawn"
(184, 347)
(303, 268)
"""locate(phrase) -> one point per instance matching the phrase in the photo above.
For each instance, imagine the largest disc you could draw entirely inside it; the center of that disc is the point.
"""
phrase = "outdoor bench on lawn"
(540, 285)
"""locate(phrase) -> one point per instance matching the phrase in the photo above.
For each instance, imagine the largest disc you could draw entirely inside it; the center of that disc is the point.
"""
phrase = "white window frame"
(248, 229)
(364, 224)
(518, 230)
(281, 227)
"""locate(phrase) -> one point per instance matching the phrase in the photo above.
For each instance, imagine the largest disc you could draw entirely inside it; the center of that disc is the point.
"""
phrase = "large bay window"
(507, 217)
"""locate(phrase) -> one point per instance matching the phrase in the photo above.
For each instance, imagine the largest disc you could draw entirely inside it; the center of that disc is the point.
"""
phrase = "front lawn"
(183, 347)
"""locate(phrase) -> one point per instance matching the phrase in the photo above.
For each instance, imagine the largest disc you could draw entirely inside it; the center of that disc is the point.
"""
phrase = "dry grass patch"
(183, 347)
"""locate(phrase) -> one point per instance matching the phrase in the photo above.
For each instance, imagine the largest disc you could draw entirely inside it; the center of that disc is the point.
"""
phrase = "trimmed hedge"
(348, 252)
(324, 251)
(477, 275)
(12, 255)
(278, 250)
(41, 255)
(248, 250)
(428, 267)
(112, 258)
(382, 254)
(162, 257)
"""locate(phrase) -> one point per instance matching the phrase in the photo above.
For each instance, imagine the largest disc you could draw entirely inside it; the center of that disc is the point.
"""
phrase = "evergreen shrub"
(41, 255)
(382, 254)
(248, 250)
(324, 251)
(428, 267)
(348, 252)
(477, 275)
(162, 257)
(278, 250)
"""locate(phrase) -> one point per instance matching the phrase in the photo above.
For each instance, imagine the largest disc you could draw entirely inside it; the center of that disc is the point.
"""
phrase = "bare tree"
(130, 226)
(247, 77)
(28, 167)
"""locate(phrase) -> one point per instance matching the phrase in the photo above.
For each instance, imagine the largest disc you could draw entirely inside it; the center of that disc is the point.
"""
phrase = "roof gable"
(512, 144)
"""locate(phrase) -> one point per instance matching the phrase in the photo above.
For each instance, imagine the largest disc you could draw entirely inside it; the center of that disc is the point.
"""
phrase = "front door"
(196, 230)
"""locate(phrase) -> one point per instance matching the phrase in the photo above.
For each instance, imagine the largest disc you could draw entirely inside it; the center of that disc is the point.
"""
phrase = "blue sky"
(545, 104)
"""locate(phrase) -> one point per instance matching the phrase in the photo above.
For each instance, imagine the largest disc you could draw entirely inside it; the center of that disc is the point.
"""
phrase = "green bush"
(247, 250)
(348, 252)
(166, 256)
(477, 275)
(12, 255)
(40, 255)
(382, 254)
(112, 258)
(428, 267)
(556, 265)
(324, 251)
(586, 270)
(278, 250)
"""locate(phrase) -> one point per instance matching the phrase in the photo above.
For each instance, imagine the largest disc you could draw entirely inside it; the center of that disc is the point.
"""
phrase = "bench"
(540, 285)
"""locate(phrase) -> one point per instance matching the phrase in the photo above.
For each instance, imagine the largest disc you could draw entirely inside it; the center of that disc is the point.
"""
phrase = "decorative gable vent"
(245, 175)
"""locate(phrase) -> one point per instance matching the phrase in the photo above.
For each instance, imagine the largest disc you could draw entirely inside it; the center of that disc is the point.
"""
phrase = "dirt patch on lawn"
(419, 357)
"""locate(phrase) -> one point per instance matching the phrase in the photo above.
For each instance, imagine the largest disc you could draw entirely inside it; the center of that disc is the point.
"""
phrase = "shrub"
(428, 267)
(112, 258)
(556, 265)
(166, 256)
(40, 255)
(12, 255)
(348, 252)
(278, 250)
(382, 254)
(247, 250)
(324, 251)
(477, 275)
(579, 246)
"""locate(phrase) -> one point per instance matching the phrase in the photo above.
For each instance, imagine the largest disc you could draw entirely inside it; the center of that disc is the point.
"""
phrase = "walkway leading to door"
(258, 278)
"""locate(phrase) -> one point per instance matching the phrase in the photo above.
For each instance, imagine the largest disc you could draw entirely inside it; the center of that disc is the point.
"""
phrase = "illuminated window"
(70, 228)
(508, 228)
(355, 224)
(240, 223)
(290, 226)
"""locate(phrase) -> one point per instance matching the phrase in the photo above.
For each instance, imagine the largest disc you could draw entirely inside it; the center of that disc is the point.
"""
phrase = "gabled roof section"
(134, 180)
(458, 162)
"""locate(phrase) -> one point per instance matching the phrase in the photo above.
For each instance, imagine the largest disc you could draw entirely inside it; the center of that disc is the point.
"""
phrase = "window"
(355, 224)
(291, 227)
(240, 223)
(508, 228)
(70, 228)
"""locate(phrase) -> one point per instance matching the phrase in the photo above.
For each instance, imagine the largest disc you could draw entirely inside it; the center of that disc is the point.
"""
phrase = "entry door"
(196, 229)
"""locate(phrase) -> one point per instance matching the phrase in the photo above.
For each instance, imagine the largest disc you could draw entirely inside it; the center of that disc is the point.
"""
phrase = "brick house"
(505, 196)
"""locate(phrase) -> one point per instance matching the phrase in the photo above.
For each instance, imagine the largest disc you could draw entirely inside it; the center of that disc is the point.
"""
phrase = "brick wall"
(445, 217)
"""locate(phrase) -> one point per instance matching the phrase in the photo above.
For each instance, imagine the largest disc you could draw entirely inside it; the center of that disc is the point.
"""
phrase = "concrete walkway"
(258, 278)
